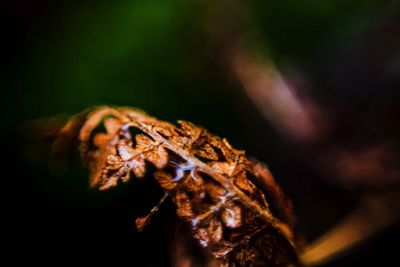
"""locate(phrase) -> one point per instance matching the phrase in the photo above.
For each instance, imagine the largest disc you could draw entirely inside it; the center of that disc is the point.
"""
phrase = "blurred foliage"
(155, 54)
(307, 30)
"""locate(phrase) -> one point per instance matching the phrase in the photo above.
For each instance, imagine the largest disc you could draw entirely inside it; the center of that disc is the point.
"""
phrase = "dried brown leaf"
(209, 181)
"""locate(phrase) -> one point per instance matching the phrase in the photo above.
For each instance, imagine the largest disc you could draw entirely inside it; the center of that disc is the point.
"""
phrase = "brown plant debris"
(212, 184)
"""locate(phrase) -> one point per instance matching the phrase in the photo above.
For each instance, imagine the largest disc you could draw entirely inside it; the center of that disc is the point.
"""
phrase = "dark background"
(60, 57)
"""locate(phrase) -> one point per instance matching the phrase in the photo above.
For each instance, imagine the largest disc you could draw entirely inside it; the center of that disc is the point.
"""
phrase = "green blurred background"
(166, 57)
